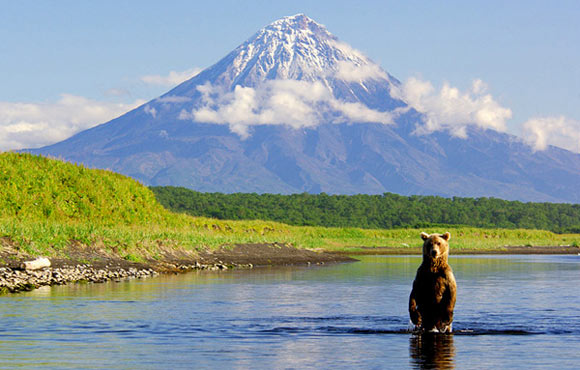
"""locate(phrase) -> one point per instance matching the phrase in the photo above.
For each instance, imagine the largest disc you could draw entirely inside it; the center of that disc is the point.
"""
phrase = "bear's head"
(435, 246)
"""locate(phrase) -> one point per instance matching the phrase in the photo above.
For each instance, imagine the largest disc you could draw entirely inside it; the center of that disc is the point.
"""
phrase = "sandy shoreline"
(92, 265)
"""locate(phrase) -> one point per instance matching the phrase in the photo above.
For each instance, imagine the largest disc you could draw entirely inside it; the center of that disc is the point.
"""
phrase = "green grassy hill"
(37, 188)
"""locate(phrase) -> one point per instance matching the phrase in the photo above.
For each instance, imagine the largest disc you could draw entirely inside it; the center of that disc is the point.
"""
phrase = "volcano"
(293, 109)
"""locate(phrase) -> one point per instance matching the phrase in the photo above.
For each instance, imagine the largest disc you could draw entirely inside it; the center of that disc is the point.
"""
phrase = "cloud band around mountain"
(294, 103)
(451, 110)
(307, 104)
(279, 102)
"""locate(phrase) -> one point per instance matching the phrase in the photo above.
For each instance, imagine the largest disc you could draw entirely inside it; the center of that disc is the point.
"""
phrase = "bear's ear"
(446, 236)
(424, 236)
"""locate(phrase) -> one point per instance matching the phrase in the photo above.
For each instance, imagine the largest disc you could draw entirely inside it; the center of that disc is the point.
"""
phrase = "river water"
(512, 312)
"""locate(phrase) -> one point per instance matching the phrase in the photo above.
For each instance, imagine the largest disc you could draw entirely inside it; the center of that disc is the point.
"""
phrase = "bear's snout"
(434, 253)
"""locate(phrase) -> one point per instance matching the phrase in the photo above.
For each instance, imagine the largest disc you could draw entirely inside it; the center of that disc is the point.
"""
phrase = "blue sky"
(97, 59)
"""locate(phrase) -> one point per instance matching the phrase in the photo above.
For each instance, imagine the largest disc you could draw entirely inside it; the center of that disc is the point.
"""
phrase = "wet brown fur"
(433, 296)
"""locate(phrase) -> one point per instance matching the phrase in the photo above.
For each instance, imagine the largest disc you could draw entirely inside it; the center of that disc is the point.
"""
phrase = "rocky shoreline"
(15, 277)
(17, 280)
(13, 280)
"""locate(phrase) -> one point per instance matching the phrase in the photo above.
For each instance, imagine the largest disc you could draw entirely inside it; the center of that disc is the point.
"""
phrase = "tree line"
(384, 211)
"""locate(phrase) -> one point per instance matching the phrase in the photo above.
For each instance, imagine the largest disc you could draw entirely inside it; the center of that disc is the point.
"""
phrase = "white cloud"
(172, 79)
(30, 125)
(163, 134)
(450, 109)
(354, 66)
(278, 102)
(559, 131)
(351, 72)
(347, 51)
(150, 110)
(358, 112)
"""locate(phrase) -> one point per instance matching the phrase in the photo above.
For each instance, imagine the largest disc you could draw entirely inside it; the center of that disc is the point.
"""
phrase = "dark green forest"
(384, 211)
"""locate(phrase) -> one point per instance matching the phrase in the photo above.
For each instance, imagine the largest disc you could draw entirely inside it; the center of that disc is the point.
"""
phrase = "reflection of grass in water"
(47, 204)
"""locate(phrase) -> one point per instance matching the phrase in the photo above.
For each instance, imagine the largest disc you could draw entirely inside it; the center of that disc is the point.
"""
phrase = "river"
(512, 312)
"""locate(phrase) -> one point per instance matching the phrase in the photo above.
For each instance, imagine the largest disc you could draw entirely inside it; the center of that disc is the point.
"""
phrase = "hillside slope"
(35, 188)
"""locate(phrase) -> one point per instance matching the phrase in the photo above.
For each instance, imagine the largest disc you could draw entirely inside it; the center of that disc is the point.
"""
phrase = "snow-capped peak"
(297, 22)
(296, 48)
(291, 59)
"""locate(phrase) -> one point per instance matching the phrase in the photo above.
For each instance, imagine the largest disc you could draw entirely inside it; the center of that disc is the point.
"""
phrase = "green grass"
(37, 188)
(47, 204)
(191, 234)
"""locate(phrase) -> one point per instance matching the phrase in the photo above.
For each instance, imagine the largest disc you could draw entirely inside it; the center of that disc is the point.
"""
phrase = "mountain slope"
(293, 109)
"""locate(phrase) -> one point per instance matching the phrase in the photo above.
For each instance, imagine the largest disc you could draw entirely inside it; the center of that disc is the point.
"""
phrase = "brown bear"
(434, 290)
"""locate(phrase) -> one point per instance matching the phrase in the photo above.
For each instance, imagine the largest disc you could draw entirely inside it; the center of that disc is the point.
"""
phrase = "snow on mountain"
(298, 48)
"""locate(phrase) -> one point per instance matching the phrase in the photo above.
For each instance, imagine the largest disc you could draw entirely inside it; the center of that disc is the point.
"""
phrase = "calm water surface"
(511, 312)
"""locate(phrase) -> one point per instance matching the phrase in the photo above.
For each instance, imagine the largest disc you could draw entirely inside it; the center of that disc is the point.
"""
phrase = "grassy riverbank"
(191, 235)
(48, 207)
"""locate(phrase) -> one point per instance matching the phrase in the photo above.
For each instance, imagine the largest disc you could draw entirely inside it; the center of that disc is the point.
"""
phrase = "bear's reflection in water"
(432, 351)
